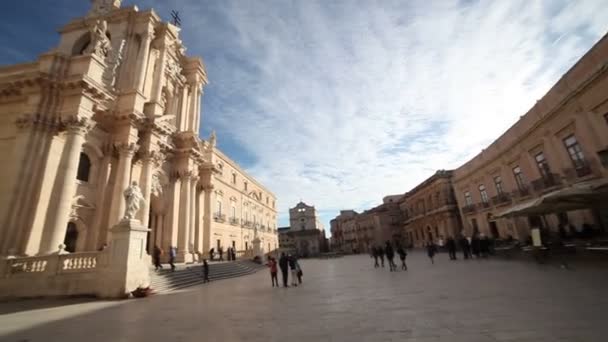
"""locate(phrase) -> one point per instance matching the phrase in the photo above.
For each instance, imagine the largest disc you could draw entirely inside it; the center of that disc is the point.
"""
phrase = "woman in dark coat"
(476, 245)
(431, 250)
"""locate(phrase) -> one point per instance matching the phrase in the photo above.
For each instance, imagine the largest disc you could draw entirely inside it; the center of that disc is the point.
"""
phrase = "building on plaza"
(285, 240)
(306, 234)
(358, 232)
(430, 210)
(560, 142)
(118, 101)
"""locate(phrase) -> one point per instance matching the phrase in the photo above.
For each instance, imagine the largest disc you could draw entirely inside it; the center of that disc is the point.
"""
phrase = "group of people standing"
(479, 245)
(230, 254)
(287, 264)
(379, 252)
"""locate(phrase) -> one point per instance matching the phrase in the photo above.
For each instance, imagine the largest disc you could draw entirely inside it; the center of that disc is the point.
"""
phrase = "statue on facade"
(134, 199)
(103, 7)
(100, 43)
(212, 139)
(114, 60)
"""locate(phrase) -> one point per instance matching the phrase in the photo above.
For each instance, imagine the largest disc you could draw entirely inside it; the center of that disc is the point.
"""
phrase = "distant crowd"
(478, 246)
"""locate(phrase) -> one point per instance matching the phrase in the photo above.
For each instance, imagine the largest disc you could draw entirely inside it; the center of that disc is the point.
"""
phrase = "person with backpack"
(402, 254)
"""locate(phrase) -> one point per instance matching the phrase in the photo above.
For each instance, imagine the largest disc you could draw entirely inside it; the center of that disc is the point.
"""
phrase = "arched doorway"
(71, 237)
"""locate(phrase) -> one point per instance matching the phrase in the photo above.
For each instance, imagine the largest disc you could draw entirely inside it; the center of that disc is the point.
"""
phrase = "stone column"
(192, 116)
(146, 186)
(123, 176)
(65, 186)
(183, 239)
(198, 236)
(172, 222)
(102, 181)
(207, 218)
(193, 217)
(142, 59)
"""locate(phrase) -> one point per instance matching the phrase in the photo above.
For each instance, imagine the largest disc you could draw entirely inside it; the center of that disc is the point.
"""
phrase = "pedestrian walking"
(390, 255)
(431, 249)
(466, 247)
(220, 251)
(156, 258)
(294, 272)
(451, 245)
(375, 254)
(205, 271)
(211, 253)
(476, 246)
(484, 246)
(402, 254)
(381, 255)
(272, 264)
(283, 265)
(172, 255)
(299, 272)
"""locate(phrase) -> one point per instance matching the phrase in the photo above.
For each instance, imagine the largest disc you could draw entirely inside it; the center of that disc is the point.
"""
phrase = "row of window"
(577, 158)
(259, 193)
(233, 214)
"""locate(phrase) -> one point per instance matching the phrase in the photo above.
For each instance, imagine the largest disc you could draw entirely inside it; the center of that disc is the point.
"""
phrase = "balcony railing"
(545, 182)
(501, 199)
(247, 224)
(521, 192)
(234, 221)
(218, 217)
(471, 208)
(483, 205)
(582, 170)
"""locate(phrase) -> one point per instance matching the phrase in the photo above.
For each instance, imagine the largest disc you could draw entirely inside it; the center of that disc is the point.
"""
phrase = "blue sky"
(339, 103)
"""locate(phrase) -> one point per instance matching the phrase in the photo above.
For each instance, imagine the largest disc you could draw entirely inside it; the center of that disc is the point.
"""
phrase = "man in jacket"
(283, 265)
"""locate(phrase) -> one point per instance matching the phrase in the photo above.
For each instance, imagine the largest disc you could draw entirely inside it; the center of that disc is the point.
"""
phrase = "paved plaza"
(343, 299)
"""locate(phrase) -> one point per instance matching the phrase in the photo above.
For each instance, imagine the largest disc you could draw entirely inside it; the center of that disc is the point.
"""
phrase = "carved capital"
(78, 126)
(126, 149)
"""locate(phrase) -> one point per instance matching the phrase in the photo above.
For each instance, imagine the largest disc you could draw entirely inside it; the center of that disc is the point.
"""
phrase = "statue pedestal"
(257, 250)
(128, 263)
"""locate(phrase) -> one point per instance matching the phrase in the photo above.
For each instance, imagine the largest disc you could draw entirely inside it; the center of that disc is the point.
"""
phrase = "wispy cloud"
(343, 102)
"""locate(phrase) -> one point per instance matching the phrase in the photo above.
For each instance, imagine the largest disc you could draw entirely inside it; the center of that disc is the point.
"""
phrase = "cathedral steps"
(165, 281)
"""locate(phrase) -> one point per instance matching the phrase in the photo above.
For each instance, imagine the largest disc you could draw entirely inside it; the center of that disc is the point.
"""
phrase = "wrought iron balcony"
(582, 170)
(483, 205)
(218, 217)
(247, 224)
(521, 192)
(471, 208)
(234, 221)
(501, 199)
(547, 181)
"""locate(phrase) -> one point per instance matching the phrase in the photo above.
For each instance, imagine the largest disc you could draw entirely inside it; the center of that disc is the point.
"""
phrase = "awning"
(577, 196)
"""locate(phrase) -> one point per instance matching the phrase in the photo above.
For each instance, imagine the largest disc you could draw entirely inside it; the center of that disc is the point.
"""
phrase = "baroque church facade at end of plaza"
(118, 101)
(305, 235)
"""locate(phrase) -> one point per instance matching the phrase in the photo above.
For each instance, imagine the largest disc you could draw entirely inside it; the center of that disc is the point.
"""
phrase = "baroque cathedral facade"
(118, 101)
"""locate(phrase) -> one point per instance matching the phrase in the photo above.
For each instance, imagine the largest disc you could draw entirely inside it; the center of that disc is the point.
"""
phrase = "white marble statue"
(134, 199)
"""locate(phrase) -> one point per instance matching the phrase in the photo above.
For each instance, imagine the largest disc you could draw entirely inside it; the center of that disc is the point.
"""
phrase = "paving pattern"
(344, 299)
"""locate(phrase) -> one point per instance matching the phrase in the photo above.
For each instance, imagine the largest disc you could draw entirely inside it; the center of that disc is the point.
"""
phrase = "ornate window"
(575, 151)
(498, 184)
(483, 193)
(468, 200)
(519, 178)
(543, 166)
(84, 168)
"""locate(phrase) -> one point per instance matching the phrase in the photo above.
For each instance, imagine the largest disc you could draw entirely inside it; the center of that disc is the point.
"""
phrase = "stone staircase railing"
(112, 273)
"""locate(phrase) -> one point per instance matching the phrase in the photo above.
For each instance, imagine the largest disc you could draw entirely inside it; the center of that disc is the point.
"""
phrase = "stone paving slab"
(344, 299)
